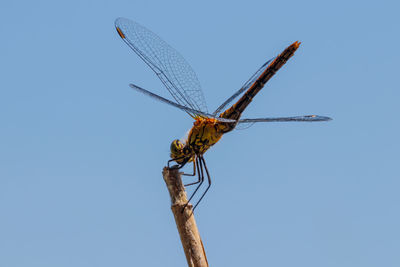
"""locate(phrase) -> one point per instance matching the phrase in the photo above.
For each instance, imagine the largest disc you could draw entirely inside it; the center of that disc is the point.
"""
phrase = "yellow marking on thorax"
(205, 133)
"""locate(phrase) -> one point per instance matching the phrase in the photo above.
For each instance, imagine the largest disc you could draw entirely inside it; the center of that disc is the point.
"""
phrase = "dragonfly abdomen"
(236, 110)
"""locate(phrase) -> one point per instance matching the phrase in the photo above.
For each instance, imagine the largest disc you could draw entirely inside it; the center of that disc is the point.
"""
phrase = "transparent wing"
(170, 67)
(244, 126)
(244, 87)
(305, 118)
(246, 123)
(169, 102)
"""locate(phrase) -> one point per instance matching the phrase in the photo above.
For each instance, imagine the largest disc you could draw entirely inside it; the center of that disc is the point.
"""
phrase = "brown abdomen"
(236, 110)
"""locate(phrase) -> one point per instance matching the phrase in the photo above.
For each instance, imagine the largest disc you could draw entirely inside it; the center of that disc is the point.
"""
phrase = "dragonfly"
(182, 83)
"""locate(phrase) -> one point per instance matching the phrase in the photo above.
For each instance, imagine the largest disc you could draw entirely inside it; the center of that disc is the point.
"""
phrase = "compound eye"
(176, 146)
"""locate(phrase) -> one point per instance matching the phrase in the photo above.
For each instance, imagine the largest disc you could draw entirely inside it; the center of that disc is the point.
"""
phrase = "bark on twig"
(185, 222)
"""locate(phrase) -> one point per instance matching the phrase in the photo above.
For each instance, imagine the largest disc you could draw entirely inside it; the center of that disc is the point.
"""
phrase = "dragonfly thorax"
(204, 134)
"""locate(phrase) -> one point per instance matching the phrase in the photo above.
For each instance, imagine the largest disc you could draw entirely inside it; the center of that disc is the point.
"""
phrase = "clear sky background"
(81, 154)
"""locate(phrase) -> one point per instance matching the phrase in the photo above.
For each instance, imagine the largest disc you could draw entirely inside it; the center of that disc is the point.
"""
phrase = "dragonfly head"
(179, 151)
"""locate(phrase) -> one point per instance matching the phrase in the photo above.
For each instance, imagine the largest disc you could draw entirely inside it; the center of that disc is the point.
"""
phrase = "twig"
(185, 222)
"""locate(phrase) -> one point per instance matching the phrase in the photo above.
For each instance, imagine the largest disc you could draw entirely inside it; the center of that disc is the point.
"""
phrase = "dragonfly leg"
(200, 182)
(195, 165)
(203, 163)
(186, 174)
(169, 161)
(178, 166)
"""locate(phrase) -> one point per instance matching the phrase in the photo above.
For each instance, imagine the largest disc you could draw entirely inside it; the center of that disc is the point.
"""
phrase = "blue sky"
(81, 154)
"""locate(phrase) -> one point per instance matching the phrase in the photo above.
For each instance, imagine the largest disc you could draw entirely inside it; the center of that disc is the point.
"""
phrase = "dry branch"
(185, 222)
